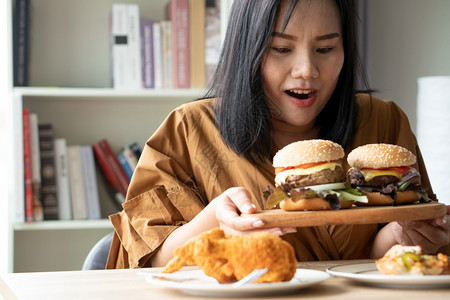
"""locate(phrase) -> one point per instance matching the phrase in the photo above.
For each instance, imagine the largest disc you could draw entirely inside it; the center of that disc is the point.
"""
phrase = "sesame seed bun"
(380, 156)
(307, 151)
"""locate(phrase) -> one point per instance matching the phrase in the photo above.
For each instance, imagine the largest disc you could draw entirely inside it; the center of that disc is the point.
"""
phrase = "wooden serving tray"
(354, 215)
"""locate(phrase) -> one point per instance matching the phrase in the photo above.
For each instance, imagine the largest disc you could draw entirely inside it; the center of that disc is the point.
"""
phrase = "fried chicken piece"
(230, 258)
(409, 260)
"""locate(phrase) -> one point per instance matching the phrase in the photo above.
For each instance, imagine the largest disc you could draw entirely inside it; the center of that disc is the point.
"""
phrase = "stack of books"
(61, 180)
(179, 52)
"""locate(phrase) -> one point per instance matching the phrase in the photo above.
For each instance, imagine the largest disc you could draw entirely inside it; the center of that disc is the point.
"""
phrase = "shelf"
(64, 225)
(84, 93)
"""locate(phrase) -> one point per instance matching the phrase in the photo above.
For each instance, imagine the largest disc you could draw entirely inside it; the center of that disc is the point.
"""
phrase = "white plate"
(303, 278)
(369, 274)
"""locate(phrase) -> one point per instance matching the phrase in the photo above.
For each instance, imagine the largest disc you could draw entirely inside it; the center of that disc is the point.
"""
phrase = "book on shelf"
(131, 155)
(197, 43)
(125, 164)
(77, 189)
(157, 55)
(213, 40)
(38, 213)
(178, 14)
(21, 42)
(136, 148)
(49, 191)
(90, 182)
(128, 161)
(111, 169)
(126, 46)
(148, 71)
(28, 182)
(63, 179)
(166, 43)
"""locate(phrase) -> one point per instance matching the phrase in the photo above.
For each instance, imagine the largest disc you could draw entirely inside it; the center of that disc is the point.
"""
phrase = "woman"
(287, 73)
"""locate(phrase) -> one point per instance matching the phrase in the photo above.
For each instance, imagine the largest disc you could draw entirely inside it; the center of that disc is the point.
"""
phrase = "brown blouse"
(185, 164)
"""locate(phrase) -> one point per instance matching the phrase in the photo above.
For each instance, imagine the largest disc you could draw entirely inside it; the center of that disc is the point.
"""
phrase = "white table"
(128, 284)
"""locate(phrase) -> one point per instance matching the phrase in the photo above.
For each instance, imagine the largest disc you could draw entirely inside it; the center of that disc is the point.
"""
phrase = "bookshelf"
(69, 86)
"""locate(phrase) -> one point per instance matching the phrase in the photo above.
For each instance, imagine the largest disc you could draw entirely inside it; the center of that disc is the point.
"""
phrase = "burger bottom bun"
(346, 204)
(376, 199)
(310, 204)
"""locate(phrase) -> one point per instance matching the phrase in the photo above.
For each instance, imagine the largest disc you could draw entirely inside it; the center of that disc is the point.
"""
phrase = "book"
(166, 43)
(148, 71)
(213, 40)
(128, 161)
(137, 150)
(21, 42)
(126, 46)
(125, 164)
(49, 191)
(111, 168)
(178, 14)
(77, 190)
(131, 156)
(28, 182)
(90, 183)
(38, 213)
(63, 179)
(157, 56)
(197, 43)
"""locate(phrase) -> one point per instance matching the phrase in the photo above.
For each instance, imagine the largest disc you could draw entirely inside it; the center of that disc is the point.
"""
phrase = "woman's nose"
(304, 67)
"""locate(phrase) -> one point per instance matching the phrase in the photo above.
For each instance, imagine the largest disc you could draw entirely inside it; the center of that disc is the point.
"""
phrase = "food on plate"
(230, 258)
(384, 174)
(409, 260)
(309, 176)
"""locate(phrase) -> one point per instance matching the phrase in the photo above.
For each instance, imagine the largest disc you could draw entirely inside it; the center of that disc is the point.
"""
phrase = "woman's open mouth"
(301, 94)
(302, 98)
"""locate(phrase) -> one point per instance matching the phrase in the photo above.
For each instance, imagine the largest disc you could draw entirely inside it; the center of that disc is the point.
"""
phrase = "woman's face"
(301, 66)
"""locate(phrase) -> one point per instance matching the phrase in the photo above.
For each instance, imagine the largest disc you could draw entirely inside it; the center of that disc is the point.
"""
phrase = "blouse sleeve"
(162, 196)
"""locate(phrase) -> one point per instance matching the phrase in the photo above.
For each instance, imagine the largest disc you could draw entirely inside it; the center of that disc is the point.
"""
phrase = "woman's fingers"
(241, 198)
(424, 233)
(236, 201)
(232, 203)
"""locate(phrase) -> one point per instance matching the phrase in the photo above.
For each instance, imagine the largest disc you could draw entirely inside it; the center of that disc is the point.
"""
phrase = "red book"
(28, 182)
(110, 166)
(178, 14)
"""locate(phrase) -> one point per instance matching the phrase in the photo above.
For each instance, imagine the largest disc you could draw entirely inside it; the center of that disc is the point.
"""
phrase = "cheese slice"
(281, 177)
(371, 174)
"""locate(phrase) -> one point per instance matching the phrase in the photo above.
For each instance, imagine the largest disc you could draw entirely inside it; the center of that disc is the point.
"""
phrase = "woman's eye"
(281, 50)
(324, 50)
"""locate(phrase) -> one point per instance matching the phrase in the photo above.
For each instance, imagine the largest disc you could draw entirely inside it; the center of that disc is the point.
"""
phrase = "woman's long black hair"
(242, 114)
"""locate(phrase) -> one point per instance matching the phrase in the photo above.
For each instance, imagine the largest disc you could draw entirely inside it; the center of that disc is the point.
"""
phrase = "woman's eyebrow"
(327, 36)
(318, 38)
(284, 35)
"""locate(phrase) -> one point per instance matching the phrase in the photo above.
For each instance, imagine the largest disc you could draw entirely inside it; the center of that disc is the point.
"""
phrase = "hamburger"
(384, 173)
(309, 176)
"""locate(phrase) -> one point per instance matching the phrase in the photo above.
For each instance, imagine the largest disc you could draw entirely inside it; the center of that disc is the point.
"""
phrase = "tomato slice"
(399, 170)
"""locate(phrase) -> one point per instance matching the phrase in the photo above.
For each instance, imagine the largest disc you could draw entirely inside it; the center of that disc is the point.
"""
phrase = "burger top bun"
(380, 156)
(307, 151)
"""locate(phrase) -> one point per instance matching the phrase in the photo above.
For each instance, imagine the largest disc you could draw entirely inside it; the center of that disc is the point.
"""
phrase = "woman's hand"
(234, 202)
(429, 234)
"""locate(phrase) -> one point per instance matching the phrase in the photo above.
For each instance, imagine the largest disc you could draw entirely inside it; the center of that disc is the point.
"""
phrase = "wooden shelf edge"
(64, 225)
(107, 92)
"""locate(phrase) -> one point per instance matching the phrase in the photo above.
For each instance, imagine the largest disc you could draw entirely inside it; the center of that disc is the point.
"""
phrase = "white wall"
(407, 39)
